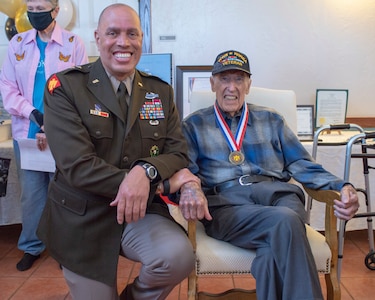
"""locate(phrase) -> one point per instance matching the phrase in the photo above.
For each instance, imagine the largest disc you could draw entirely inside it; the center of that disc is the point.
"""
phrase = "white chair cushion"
(218, 257)
(214, 256)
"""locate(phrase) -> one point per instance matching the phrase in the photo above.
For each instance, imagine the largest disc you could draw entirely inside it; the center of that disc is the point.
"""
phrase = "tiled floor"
(44, 281)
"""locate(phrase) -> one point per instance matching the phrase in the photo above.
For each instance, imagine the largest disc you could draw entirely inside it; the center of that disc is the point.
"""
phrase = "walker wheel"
(370, 260)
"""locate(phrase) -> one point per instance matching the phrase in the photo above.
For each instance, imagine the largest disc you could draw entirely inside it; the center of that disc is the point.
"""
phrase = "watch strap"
(166, 187)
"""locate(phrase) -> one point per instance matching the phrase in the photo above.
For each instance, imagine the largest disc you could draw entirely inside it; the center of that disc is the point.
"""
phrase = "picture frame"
(189, 78)
(145, 18)
(331, 106)
(159, 64)
(305, 120)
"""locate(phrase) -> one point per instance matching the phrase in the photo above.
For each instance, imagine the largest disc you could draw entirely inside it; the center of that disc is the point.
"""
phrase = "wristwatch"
(151, 171)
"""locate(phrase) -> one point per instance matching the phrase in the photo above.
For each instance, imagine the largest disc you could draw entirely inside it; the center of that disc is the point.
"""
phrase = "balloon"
(10, 7)
(65, 13)
(22, 20)
(10, 28)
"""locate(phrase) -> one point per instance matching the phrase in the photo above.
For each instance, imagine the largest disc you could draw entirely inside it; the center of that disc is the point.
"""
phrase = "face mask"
(40, 20)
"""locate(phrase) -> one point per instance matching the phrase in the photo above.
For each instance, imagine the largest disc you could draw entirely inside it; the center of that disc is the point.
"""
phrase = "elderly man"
(245, 155)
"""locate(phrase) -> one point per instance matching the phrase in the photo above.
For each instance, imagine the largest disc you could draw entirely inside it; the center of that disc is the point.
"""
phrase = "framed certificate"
(331, 106)
(305, 120)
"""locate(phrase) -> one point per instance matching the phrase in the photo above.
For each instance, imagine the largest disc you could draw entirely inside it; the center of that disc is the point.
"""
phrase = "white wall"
(302, 45)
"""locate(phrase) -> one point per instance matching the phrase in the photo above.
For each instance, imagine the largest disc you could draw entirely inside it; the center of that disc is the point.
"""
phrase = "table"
(332, 157)
(10, 205)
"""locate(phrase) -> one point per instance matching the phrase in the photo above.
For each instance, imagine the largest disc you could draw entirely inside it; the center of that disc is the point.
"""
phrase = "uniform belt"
(240, 181)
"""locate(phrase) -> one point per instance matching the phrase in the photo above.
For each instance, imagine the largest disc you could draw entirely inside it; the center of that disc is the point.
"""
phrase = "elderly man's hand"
(180, 178)
(193, 203)
(348, 205)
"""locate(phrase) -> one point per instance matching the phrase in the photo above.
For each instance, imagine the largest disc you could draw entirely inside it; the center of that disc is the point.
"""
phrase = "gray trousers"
(269, 217)
(164, 251)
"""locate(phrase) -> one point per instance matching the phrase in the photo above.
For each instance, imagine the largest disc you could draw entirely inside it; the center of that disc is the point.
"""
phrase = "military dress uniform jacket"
(94, 145)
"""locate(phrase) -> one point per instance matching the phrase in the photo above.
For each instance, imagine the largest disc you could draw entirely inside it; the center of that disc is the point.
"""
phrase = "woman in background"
(32, 57)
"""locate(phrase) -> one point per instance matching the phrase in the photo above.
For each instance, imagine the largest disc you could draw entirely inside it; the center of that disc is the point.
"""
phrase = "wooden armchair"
(214, 257)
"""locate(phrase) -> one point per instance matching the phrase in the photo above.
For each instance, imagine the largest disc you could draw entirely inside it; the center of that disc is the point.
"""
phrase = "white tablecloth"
(10, 205)
(333, 159)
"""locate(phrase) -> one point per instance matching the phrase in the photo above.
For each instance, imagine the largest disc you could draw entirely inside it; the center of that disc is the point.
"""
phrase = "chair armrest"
(330, 233)
(192, 228)
(326, 196)
(192, 282)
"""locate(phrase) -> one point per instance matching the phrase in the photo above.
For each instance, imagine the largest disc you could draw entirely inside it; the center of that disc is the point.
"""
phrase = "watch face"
(151, 172)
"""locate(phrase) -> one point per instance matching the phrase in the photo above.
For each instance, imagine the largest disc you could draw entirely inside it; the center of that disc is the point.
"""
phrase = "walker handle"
(369, 135)
(339, 126)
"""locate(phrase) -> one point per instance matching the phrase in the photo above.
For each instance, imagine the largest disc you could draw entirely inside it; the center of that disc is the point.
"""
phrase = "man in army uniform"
(112, 152)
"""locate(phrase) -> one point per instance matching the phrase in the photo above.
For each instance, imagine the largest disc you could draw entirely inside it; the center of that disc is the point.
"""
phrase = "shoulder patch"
(53, 83)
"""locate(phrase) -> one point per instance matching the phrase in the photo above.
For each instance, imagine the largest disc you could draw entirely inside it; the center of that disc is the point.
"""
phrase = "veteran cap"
(231, 60)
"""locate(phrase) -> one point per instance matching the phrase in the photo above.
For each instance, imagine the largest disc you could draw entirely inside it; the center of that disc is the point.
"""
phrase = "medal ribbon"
(235, 143)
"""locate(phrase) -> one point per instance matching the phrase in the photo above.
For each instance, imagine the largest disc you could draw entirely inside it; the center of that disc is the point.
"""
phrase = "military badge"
(152, 109)
(53, 83)
(97, 111)
(154, 122)
(154, 151)
(151, 95)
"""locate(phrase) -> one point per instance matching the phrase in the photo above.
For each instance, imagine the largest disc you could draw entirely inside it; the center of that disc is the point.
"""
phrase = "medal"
(236, 157)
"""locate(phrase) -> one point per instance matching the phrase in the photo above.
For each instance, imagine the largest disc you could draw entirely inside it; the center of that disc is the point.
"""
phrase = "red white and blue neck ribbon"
(234, 142)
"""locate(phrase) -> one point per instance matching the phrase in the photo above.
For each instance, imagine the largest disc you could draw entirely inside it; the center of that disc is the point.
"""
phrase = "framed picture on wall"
(305, 122)
(157, 64)
(331, 106)
(189, 79)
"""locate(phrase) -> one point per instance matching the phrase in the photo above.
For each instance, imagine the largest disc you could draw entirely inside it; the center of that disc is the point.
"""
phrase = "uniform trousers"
(272, 223)
(164, 251)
